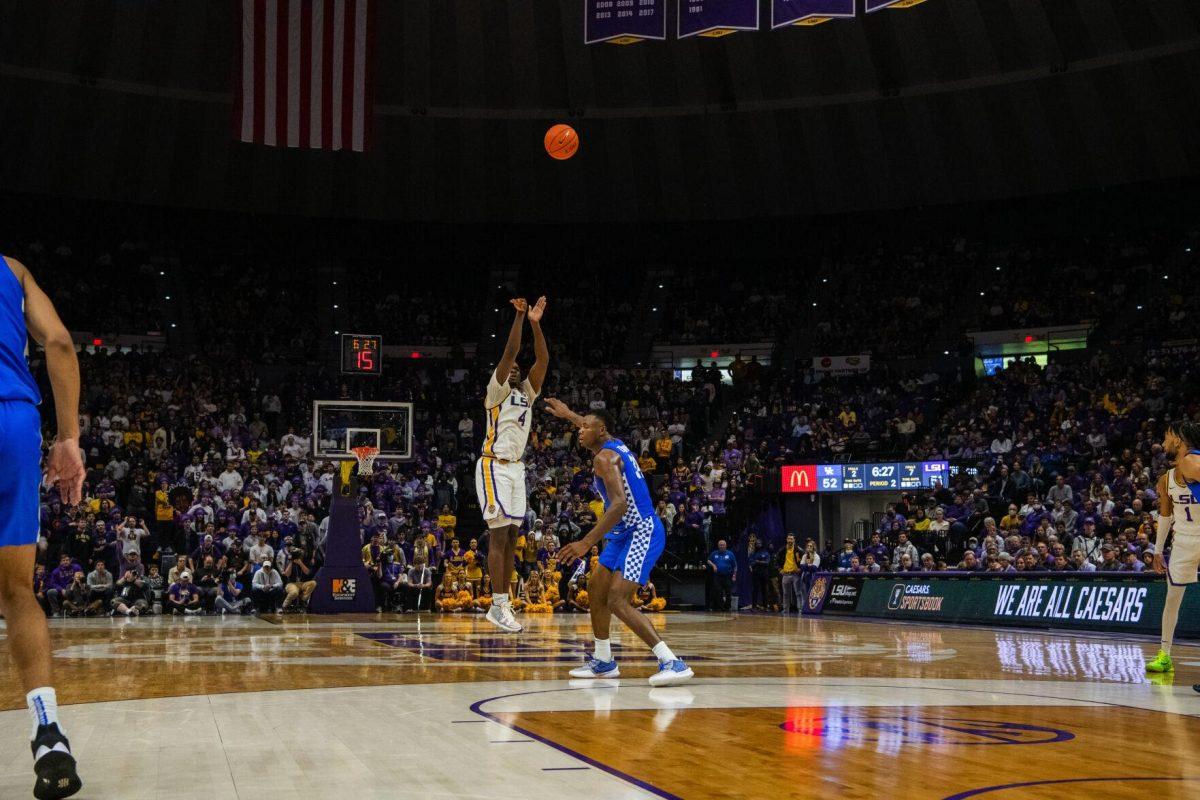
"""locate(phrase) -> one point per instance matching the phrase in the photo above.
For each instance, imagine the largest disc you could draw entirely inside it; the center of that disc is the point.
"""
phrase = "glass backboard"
(339, 425)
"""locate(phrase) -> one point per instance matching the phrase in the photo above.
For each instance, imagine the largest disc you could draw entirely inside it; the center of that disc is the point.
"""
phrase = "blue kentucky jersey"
(1194, 486)
(16, 381)
(640, 506)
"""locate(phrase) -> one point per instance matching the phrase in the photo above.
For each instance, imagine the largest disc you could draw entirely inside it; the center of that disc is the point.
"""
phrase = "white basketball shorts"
(501, 490)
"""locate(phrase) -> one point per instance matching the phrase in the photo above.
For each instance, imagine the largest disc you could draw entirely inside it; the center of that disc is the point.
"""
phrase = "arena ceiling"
(949, 101)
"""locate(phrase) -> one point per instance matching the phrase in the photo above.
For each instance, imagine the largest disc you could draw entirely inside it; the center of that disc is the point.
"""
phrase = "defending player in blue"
(26, 311)
(635, 539)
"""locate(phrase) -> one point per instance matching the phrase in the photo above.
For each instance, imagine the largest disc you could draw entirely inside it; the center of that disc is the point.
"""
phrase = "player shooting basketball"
(499, 473)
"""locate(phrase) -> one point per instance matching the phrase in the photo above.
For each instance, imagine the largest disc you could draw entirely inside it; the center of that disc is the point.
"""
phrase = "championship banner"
(809, 12)
(879, 5)
(1107, 604)
(841, 364)
(716, 17)
(624, 21)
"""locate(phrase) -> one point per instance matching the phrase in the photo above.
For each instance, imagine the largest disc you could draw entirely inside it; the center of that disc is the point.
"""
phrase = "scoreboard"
(865, 477)
(362, 354)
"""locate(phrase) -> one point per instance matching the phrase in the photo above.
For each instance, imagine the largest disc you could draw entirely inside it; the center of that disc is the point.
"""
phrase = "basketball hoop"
(366, 459)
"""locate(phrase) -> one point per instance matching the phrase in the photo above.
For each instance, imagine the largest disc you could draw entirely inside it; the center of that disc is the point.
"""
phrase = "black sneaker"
(55, 769)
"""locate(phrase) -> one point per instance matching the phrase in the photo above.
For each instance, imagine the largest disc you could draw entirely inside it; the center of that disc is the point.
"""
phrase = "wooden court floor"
(444, 706)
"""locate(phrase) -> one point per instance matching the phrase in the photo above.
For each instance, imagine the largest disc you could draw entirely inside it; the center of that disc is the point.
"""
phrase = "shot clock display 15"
(362, 354)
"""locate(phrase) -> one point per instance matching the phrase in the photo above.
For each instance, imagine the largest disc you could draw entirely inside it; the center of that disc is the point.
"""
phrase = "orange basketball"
(562, 142)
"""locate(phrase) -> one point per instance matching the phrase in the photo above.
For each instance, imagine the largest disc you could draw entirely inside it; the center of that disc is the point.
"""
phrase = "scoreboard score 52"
(362, 354)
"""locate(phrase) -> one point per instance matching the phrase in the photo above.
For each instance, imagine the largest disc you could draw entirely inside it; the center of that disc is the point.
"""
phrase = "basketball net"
(366, 459)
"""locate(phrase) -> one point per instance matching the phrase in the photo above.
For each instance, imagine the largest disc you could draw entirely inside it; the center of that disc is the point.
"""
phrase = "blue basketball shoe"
(670, 673)
(595, 668)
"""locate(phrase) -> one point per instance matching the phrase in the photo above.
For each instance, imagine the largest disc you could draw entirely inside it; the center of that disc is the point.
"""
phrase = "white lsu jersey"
(1185, 507)
(509, 419)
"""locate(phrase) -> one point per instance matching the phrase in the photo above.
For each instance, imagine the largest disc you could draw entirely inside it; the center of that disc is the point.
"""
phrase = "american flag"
(306, 76)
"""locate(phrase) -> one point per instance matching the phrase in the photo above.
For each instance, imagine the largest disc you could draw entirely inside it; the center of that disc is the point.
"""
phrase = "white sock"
(603, 650)
(1170, 615)
(43, 708)
(663, 652)
(499, 599)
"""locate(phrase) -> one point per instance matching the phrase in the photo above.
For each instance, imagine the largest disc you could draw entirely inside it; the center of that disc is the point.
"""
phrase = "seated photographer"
(299, 576)
(77, 598)
(208, 578)
(231, 597)
(130, 598)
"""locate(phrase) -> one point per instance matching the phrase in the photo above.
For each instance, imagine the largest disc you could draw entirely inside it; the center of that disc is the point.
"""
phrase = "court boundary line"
(477, 708)
(1005, 787)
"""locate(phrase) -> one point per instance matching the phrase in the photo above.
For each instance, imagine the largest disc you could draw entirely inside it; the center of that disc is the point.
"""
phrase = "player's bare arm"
(559, 409)
(606, 464)
(537, 373)
(1189, 467)
(64, 464)
(1166, 515)
(513, 345)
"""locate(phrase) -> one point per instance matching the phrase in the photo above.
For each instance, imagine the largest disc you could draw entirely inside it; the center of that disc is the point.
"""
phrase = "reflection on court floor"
(401, 706)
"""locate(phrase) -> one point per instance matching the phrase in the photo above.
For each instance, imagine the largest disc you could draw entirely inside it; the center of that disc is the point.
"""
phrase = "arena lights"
(97, 342)
(715, 354)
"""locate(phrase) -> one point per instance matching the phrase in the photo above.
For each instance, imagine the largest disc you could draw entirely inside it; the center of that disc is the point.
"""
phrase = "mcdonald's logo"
(800, 479)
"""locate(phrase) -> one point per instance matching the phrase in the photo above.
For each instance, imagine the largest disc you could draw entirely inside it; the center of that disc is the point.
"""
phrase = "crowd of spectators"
(1052, 469)
(211, 438)
(202, 495)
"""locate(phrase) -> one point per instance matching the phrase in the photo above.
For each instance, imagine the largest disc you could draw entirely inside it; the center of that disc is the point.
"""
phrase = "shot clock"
(362, 354)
